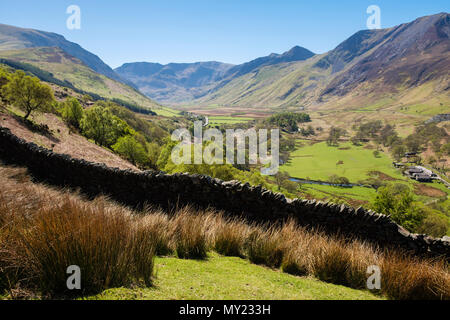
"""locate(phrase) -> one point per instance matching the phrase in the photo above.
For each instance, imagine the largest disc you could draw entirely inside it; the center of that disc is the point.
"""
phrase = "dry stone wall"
(254, 204)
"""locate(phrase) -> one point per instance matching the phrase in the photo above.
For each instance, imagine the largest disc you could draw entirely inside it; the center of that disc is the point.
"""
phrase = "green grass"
(320, 161)
(344, 194)
(223, 278)
(166, 112)
(227, 120)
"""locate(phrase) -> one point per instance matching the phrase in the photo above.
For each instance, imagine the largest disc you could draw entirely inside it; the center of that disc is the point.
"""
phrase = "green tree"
(434, 224)
(132, 150)
(99, 124)
(3, 81)
(280, 179)
(398, 152)
(398, 202)
(153, 153)
(28, 93)
(334, 136)
(72, 112)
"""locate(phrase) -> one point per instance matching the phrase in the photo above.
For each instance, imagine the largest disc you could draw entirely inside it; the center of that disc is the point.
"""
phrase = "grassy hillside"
(43, 230)
(230, 278)
(67, 68)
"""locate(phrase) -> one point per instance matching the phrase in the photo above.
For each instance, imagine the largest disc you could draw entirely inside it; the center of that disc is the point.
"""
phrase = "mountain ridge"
(165, 82)
(16, 38)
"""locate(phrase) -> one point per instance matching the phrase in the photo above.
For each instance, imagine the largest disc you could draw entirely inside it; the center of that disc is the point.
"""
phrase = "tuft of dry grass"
(48, 231)
(230, 236)
(409, 278)
(44, 230)
(188, 229)
(265, 247)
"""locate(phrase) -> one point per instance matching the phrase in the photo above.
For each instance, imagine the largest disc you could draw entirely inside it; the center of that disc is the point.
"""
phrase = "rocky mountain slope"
(401, 67)
(179, 82)
(174, 82)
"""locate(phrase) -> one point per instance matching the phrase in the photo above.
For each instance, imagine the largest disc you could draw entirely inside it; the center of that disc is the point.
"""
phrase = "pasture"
(318, 161)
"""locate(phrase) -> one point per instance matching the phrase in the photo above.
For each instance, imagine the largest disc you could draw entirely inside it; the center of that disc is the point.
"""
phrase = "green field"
(217, 120)
(319, 161)
(224, 278)
(166, 112)
(347, 195)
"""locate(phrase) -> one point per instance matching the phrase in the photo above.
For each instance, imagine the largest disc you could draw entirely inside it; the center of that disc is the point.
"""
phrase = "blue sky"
(232, 31)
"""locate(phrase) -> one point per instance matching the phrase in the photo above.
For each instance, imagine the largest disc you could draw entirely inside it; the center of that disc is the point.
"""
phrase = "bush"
(132, 150)
(98, 123)
(72, 112)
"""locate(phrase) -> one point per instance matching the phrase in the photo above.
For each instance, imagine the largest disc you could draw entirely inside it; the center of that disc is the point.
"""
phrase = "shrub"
(132, 150)
(98, 123)
(72, 112)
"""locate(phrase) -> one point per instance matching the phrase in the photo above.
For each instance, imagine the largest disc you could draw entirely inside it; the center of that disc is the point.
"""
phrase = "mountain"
(398, 67)
(14, 38)
(295, 54)
(403, 65)
(179, 82)
(54, 65)
(174, 82)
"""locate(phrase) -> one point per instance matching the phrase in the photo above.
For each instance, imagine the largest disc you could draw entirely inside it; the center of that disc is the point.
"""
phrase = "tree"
(398, 152)
(28, 93)
(398, 202)
(99, 124)
(72, 112)
(334, 136)
(3, 82)
(132, 150)
(154, 151)
(280, 179)
(290, 186)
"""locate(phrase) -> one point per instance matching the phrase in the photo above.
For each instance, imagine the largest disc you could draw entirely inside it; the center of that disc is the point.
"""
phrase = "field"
(355, 196)
(217, 120)
(230, 278)
(319, 161)
(166, 112)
